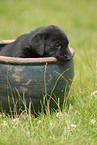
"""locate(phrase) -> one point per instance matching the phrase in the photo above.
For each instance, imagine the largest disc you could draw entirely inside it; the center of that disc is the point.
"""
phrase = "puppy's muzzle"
(67, 56)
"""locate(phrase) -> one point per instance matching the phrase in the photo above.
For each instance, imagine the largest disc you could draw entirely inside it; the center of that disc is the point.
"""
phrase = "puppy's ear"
(37, 43)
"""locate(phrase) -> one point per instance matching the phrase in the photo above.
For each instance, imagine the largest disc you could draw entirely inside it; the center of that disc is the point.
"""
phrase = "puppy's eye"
(58, 45)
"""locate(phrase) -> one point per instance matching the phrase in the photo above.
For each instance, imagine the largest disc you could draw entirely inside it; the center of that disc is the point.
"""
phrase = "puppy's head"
(51, 41)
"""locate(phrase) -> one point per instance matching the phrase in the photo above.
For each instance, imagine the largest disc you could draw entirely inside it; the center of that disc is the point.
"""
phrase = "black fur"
(42, 42)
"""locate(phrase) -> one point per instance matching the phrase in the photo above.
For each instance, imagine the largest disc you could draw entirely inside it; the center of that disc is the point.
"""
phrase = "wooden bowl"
(34, 80)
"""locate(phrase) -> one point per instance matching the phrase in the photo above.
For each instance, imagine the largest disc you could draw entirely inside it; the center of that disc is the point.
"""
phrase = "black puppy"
(42, 42)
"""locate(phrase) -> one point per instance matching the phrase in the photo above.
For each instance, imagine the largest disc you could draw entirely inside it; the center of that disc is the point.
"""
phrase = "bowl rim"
(17, 60)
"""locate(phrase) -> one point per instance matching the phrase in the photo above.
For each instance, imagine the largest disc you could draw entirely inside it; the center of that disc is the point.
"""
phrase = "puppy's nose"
(68, 56)
(70, 53)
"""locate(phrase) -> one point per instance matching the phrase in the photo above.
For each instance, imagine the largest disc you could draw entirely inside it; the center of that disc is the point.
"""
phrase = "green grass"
(76, 124)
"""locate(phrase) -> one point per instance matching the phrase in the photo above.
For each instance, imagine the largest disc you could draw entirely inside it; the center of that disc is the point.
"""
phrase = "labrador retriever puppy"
(42, 42)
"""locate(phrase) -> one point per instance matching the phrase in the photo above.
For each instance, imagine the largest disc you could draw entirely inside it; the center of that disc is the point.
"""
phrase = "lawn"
(77, 123)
